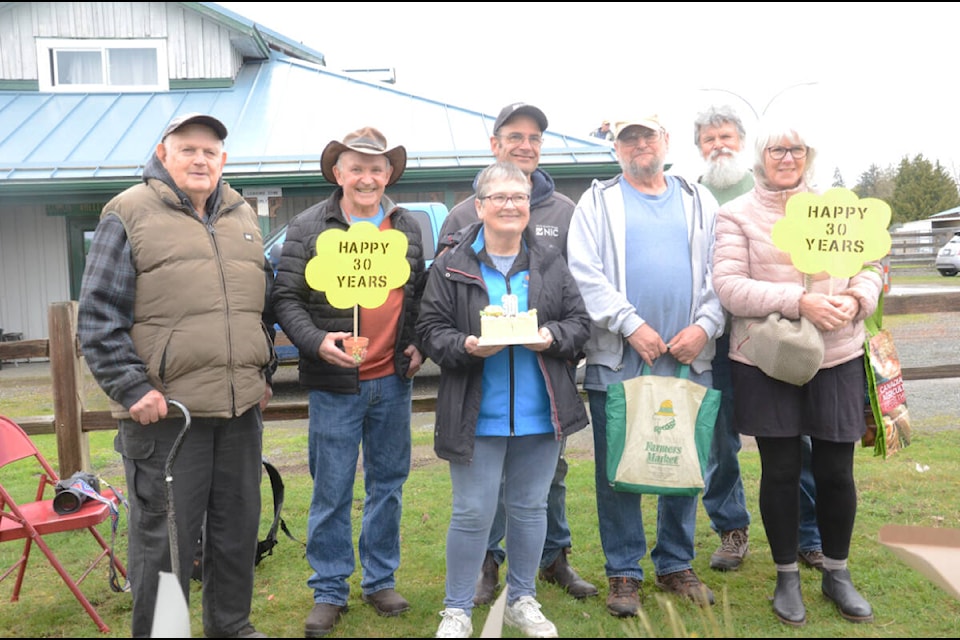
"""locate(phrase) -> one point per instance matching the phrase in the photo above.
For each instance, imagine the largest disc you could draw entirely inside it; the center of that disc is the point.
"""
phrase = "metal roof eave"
(91, 189)
(264, 38)
(234, 21)
(439, 161)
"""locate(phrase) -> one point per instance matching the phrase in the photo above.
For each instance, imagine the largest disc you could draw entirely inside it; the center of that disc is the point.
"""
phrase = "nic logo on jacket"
(547, 231)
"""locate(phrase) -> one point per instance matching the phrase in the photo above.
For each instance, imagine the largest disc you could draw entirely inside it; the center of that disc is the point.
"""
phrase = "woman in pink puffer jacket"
(754, 278)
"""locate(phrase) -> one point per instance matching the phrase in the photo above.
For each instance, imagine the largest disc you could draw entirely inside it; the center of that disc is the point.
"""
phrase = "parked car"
(430, 215)
(948, 259)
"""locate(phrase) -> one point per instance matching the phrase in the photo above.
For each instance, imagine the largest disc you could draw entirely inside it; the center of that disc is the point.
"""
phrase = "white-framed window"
(67, 64)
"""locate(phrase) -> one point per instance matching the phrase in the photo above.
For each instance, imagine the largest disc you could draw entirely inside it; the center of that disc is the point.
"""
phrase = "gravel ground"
(933, 404)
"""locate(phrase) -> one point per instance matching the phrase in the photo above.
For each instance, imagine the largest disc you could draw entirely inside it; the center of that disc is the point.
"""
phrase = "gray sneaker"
(734, 547)
(455, 624)
(524, 614)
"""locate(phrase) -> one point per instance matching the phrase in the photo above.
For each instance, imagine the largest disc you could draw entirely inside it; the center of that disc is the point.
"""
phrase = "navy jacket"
(450, 311)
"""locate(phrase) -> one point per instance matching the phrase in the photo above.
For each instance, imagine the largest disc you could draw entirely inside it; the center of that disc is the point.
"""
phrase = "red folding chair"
(31, 521)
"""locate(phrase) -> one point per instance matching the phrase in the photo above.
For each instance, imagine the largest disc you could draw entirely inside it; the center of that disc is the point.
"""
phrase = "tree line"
(915, 190)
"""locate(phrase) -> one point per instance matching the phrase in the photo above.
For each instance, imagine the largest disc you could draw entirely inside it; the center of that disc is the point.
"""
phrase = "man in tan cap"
(172, 305)
(640, 247)
(352, 402)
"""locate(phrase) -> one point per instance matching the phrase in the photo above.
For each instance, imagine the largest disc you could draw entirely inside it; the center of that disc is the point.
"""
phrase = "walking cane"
(171, 616)
(168, 486)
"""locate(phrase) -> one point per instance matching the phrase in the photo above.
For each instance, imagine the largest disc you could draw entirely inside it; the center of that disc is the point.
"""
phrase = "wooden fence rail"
(71, 423)
(919, 247)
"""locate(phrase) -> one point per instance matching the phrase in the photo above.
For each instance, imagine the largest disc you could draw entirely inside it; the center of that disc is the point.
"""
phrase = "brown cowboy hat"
(366, 140)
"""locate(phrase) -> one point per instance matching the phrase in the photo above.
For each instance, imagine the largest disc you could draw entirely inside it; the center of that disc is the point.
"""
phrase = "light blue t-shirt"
(514, 400)
(658, 275)
(375, 220)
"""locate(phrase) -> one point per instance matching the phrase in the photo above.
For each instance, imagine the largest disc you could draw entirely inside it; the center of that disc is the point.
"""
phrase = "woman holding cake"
(501, 408)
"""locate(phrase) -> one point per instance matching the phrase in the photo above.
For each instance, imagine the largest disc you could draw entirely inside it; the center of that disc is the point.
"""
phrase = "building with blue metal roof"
(73, 134)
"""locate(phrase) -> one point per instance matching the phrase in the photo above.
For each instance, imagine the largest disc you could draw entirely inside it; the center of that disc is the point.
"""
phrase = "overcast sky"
(870, 83)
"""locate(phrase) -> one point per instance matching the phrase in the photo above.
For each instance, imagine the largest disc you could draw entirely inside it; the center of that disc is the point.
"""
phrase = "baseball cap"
(650, 122)
(520, 109)
(195, 118)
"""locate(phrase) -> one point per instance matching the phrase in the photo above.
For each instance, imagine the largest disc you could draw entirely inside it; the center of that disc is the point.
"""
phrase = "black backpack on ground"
(265, 546)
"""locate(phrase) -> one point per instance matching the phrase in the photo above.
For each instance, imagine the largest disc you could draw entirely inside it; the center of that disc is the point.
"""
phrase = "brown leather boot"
(624, 598)
(489, 581)
(561, 573)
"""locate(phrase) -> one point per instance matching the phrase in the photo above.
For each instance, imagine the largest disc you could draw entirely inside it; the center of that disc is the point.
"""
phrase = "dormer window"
(67, 64)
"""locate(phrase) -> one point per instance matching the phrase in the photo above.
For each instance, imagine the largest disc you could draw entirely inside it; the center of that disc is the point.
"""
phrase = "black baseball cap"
(195, 118)
(520, 109)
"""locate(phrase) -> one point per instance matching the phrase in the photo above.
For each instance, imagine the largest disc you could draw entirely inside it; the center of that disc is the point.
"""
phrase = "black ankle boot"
(787, 599)
(838, 588)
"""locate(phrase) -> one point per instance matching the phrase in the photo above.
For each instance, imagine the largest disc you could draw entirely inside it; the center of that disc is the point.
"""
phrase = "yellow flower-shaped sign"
(359, 266)
(835, 232)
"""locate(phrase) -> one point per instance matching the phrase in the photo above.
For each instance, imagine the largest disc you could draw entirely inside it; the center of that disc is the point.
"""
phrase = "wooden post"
(73, 445)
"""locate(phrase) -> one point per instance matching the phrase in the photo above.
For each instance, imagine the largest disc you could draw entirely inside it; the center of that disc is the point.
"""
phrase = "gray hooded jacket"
(596, 254)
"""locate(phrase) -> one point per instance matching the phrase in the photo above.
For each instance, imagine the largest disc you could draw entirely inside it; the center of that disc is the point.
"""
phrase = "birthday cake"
(506, 325)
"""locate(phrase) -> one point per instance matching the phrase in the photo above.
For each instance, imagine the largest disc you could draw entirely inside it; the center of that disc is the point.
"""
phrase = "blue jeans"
(809, 531)
(524, 467)
(378, 419)
(621, 520)
(723, 495)
(558, 531)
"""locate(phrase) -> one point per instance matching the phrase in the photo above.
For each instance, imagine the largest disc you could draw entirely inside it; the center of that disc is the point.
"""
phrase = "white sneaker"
(455, 624)
(524, 614)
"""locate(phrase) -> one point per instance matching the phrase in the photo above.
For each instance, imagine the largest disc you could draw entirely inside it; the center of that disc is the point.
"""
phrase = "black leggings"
(832, 465)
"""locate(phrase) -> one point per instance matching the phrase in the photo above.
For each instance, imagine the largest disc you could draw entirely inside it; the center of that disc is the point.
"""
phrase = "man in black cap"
(517, 138)
(173, 305)
(365, 401)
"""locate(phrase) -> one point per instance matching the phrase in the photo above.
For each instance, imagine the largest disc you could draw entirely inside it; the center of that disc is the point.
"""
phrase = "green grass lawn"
(906, 604)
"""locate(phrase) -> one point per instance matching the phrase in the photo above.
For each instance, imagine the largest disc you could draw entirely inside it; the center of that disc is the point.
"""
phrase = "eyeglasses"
(501, 199)
(518, 138)
(633, 139)
(779, 153)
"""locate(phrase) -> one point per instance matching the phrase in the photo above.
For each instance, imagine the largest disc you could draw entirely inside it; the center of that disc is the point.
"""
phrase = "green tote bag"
(659, 432)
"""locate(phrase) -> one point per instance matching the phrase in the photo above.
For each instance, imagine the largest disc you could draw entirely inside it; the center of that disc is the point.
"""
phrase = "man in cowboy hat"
(353, 402)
